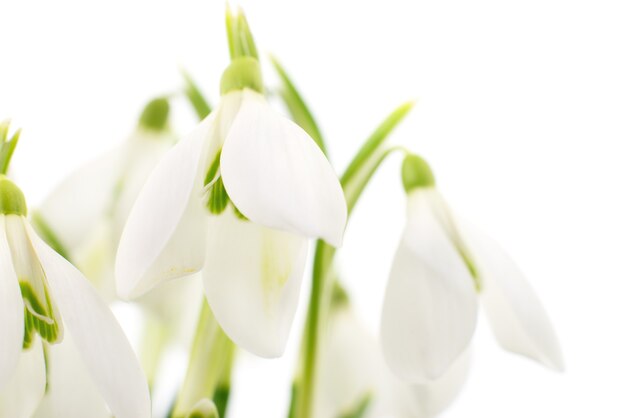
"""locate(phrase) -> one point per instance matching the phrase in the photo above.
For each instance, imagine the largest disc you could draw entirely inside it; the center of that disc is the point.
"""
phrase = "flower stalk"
(354, 180)
(210, 364)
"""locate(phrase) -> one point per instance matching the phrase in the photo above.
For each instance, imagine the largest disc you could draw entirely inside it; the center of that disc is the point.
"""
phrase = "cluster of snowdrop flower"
(214, 230)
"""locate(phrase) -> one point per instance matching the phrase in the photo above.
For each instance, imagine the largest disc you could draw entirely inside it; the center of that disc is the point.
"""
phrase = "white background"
(521, 112)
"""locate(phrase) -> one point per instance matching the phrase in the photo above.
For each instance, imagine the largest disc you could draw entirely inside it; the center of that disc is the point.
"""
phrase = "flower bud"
(416, 173)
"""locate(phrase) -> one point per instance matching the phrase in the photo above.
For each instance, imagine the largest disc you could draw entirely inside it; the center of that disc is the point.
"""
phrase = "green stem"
(354, 181)
(210, 359)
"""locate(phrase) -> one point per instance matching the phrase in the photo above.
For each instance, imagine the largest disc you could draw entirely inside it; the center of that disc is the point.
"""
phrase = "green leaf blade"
(297, 107)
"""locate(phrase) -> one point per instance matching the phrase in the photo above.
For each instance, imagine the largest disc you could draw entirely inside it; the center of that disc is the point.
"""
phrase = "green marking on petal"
(39, 316)
(218, 199)
(213, 169)
(238, 213)
(217, 196)
(275, 264)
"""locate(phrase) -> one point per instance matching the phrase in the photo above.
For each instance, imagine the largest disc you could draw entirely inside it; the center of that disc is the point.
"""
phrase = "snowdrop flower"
(238, 199)
(438, 276)
(353, 377)
(84, 216)
(42, 294)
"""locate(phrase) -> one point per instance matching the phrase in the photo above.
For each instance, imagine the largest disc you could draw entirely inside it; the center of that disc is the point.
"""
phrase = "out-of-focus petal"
(83, 199)
(431, 399)
(517, 316)
(145, 150)
(252, 282)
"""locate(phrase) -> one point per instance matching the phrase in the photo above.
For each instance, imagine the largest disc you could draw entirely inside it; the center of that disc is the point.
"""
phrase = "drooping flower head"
(238, 198)
(440, 271)
(43, 298)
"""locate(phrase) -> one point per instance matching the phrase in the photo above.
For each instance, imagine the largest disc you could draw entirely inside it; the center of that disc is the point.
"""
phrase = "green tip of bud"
(416, 173)
(12, 200)
(243, 72)
(204, 409)
(155, 115)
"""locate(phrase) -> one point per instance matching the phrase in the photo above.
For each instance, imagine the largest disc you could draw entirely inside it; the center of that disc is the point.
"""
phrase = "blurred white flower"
(86, 213)
(353, 375)
(439, 273)
(41, 293)
(276, 177)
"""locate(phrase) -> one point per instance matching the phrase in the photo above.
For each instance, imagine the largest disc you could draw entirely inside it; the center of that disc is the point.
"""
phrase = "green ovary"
(39, 317)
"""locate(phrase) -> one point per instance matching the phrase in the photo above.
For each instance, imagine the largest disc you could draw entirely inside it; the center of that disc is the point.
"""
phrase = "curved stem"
(355, 179)
(211, 355)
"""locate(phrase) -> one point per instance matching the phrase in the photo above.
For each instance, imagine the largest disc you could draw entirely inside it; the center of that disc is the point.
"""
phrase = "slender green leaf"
(231, 34)
(195, 97)
(6, 149)
(297, 107)
(373, 143)
(248, 45)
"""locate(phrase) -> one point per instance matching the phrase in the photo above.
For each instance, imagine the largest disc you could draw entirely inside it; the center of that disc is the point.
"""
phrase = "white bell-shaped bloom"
(438, 276)
(274, 175)
(42, 294)
(87, 211)
(353, 374)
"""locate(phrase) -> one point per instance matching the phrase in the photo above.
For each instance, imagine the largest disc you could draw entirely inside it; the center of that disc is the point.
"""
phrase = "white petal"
(252, 281)
(350, 367)
(82, 200)
(67, 378)
(98, 337)
(431, 399)
(145, 150)
(22, 395)
(278, 177)
(11, 312)
(430, 306)
(517, 317)
(164, 236)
